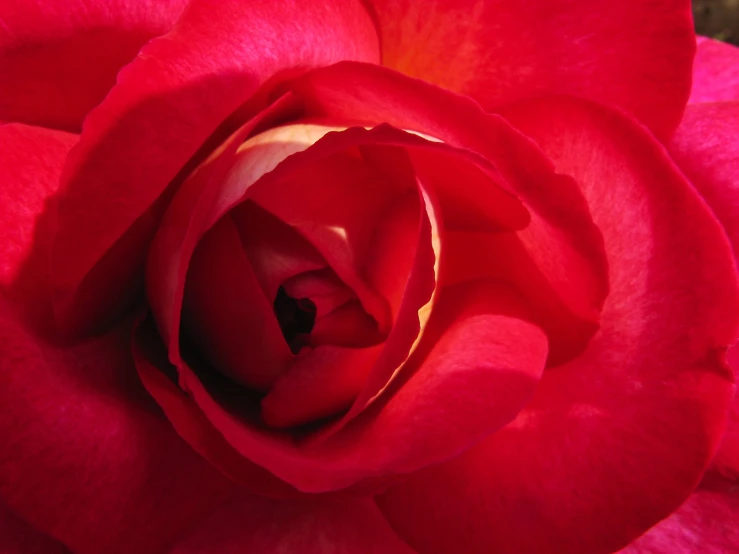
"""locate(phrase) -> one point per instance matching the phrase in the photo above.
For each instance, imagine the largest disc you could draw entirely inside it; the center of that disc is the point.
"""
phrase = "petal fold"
(170, 103)
(616, 439)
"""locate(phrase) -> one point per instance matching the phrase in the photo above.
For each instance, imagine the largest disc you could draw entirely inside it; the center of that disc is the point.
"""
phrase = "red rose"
(363, 277)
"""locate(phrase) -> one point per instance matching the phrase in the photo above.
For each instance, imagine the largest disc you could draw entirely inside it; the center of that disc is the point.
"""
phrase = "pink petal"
(310, 526)
(87, 456)
(715, 72)
(616, 439)
(17, 537)
(706, 147)
(59, 58)
(633, 55)
(165, 106)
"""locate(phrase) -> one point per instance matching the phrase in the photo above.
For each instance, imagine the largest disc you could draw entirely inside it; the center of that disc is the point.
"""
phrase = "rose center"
(296, 317)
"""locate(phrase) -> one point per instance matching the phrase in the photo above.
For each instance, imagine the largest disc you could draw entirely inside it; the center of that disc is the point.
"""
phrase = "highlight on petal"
(614, 440)
(170, 105)
(715, 72)
(633, 55)
(59, 58)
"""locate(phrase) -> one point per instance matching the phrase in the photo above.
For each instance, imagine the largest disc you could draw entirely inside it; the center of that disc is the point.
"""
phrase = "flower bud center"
(296, 317)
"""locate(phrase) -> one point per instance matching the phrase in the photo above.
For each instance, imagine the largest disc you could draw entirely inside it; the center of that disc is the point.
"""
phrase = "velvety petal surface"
(715, 72)
(616, 439)
(633, 55)
(59, 58)
(17, 537)
(165, 106)
(31, 161)
(309, 526)
(87, 456)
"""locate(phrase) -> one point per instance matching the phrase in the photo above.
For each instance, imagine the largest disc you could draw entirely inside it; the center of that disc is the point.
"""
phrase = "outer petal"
(166, 104)
(87, 456)
(634, 55)
(31, 160)
(616, 439)
(262, 526)
(17, 537)
(706, 147)
(706, 523)
(59, 58)
(715, 72)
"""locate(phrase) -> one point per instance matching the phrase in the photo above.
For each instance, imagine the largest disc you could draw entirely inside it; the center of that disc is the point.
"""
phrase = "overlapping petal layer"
(165, 106)
(616, 439)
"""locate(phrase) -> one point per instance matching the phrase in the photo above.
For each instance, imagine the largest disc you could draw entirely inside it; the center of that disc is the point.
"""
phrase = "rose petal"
(311, 526)
(616, 439)
(167, 102)
(78, 430)
(488, 356)
(636, 56)
(59, 58)
(17, 537)
(503, 256)
(561, 238)
(226, 316)
(715, 72)
(726, 461)
(190, 422)
(320, 384)
(31, 160)
(706, 147)
(276, 251)
(706, 523)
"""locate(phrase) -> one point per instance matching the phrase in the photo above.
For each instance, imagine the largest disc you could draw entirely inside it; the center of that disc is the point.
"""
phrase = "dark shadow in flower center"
(296, 317)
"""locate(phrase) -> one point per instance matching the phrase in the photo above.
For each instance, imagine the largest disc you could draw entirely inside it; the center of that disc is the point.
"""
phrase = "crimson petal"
(59, 58)
(166, 104)
(93, 439)
(616, 439)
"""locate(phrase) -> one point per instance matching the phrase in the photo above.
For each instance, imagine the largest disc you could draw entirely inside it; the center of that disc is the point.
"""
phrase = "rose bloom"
(367, 277)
